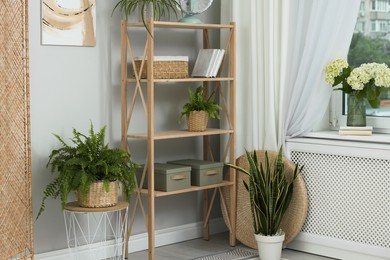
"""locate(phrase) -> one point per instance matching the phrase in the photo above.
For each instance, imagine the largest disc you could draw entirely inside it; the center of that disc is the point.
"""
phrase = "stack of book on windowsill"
(355, 130)
(208, 62)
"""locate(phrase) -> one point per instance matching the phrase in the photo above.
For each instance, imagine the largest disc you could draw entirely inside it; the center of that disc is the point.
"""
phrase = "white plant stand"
(96, 233)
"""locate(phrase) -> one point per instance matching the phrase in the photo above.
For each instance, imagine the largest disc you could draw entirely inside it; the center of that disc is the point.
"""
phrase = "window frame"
(337, 118)
(379, 6)
(375, 26)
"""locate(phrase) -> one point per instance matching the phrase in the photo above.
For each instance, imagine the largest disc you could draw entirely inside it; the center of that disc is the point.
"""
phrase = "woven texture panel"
(348, 197)
(15, 173)
(164, 69)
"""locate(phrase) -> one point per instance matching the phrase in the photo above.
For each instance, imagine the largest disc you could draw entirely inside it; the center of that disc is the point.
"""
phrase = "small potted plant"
(91, 169)
(270, 194)
(154, 8)
(198, 110)
(365, 82)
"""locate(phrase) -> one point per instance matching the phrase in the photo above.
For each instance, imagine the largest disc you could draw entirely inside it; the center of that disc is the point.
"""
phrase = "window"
(383, 26)
(362, 7)
(379, 5)
(360, 27)
(366, 47)
(373, 26)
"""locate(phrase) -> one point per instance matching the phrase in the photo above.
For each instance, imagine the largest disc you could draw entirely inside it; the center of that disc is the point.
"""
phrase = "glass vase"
(356, 114)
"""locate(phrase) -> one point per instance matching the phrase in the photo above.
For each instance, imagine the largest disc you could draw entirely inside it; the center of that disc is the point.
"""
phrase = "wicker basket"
(98, 197)
(165, 67)
(197, 121)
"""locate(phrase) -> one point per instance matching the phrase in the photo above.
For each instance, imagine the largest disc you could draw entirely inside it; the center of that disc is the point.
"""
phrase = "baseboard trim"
(337, 248)
(167, 236)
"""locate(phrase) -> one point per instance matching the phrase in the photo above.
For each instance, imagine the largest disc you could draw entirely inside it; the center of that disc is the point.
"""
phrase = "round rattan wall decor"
(294, 217)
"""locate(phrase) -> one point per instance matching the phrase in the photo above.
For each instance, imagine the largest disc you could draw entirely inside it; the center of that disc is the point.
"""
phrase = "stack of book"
(208, 62)
(355, 130)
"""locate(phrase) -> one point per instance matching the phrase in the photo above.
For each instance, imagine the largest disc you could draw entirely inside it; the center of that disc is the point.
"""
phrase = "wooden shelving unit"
(152, 135)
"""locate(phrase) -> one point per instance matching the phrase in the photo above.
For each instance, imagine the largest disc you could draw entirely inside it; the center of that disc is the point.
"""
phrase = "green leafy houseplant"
(269, 190)
(366, 81)
(197, 102)
(159, 7)
(88, 161)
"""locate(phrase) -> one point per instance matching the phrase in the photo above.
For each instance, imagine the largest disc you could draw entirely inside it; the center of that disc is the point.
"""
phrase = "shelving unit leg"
(206, 234)
(232, 155)
(150, 106)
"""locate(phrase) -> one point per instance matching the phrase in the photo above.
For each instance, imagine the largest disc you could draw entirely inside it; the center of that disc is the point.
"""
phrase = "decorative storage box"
(168, 177)
(203, 172)
(165, 67)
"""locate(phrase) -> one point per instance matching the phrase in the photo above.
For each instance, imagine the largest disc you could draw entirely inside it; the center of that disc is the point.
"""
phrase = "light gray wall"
(72, 85)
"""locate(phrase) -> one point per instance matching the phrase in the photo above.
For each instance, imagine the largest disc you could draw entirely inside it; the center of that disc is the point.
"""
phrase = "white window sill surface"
(333, 135)
(332, 138)
(375, 146)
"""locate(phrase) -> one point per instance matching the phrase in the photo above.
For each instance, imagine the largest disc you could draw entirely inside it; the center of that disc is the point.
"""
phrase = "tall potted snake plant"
(270, 194)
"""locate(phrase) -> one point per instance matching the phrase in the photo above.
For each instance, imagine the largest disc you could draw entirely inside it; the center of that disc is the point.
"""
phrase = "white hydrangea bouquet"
(366, 81)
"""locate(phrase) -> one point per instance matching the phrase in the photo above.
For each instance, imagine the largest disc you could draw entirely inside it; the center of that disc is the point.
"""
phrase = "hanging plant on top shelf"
(153, 8)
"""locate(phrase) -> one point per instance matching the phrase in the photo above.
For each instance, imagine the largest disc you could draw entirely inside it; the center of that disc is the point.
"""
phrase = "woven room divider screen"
(16, 240)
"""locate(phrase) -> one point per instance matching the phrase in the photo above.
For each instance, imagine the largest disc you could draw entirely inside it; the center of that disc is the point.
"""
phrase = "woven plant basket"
(197, 121)
(98, 197)
(164, 68)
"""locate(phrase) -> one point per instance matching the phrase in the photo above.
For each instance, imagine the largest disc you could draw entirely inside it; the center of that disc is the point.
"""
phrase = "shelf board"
(173, 134)
(184, 80)
(159, 24)
(192, 189)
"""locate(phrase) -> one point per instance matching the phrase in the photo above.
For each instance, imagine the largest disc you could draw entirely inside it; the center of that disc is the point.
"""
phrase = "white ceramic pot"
(270, 247)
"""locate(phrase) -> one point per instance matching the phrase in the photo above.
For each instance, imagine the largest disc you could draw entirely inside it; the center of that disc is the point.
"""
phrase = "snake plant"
(269, 190)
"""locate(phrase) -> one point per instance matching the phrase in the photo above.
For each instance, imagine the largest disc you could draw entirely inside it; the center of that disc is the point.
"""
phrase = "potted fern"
(270, 194)
(91, 169)
(198, 110)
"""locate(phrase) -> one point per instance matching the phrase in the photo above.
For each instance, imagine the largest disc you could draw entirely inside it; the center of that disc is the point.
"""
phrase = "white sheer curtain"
(282, 47)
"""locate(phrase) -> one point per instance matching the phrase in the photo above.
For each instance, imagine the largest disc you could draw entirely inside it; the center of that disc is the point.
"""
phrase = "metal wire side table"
(96, 233)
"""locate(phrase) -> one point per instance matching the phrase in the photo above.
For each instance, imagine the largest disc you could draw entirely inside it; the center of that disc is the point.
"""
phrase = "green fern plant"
(87, 161)
(197, 102)
(270, 192)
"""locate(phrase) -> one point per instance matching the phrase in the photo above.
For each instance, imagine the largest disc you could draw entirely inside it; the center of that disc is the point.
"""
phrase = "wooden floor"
(217, 244)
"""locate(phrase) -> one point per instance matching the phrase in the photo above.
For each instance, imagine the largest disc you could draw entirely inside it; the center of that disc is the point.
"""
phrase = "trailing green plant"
(197, 102)
(89, 160)
(159, 7)
(270, 192)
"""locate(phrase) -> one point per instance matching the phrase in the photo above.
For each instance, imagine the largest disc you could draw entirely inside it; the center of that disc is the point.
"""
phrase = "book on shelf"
(217, 64)
(355, 130)
(211, 63)
(207, 63)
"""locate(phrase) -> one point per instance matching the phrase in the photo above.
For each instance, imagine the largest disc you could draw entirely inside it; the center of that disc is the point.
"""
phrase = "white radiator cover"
(348, 184)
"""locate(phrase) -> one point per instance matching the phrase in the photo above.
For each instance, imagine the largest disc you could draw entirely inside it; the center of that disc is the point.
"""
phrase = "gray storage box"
(168, 177)
(203, 172)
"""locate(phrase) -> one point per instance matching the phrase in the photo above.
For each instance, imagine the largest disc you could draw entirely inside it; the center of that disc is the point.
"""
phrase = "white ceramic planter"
(270, 247)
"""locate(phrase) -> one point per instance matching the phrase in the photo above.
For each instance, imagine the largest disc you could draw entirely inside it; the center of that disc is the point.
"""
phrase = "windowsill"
(333, 135)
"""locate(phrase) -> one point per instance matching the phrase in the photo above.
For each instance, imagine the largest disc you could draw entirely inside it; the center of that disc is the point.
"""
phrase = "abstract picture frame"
(68, 22)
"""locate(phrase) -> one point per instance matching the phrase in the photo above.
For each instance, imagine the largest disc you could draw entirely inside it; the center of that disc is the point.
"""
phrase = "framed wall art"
(69, 22)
